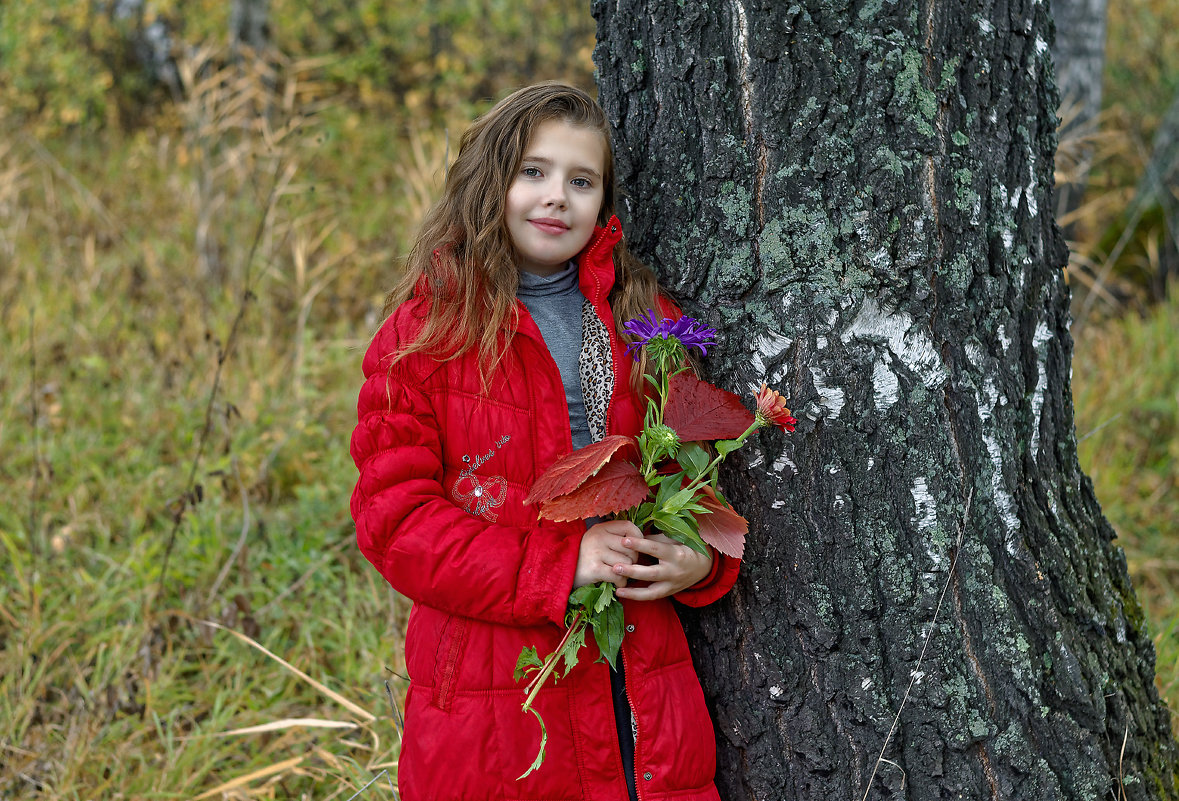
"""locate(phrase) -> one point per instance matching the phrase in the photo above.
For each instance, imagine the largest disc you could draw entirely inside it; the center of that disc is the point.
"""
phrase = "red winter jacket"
(444, 468)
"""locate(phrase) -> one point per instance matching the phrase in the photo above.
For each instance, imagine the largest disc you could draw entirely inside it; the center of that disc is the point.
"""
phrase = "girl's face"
(554, 200)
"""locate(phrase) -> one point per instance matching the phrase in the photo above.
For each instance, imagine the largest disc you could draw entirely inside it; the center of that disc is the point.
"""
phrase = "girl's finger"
(642, 572)
(651, 592)
(617, 551)
(647, 545)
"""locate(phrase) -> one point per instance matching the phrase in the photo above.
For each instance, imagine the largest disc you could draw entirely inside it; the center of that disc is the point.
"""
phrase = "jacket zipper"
(634, 725)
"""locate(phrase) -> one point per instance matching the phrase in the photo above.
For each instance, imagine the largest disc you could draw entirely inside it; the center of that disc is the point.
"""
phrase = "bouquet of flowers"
(665, 478)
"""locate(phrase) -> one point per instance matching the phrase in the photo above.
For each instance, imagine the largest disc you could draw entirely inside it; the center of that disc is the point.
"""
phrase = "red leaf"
(572, 470)
(699, 411)
(616, 487)
(722, 528)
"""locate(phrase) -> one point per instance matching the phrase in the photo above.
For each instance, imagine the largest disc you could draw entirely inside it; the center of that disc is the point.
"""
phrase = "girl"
(501, 353)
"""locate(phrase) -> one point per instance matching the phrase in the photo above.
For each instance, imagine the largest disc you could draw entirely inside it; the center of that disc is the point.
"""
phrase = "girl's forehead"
(561, 139)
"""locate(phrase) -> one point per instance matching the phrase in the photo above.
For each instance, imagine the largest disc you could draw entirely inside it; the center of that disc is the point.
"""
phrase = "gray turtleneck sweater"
(555, 303)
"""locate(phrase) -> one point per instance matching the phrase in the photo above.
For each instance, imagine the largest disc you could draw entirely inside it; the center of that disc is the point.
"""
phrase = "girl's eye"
(531, 172)
(582, 183)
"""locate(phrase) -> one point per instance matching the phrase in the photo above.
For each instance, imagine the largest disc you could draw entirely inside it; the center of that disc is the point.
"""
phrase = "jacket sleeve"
(429, 549)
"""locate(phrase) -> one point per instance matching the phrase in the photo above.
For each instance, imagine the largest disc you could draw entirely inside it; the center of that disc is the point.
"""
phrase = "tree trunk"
(1079, 56)
(859, 196)
(249, 25)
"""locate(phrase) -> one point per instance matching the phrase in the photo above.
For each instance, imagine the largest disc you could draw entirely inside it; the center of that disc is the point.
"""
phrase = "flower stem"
(720, 457)
(550, 663)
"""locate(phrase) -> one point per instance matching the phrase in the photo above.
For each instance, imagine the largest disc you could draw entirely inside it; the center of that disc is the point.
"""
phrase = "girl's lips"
(550, 226)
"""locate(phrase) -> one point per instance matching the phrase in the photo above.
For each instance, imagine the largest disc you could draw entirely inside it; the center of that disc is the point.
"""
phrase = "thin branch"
(384, 773)
(34, 492)
(222, 356)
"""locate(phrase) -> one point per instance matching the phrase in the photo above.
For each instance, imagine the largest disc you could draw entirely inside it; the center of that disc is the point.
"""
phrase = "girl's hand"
(602, 552)
(678, 568)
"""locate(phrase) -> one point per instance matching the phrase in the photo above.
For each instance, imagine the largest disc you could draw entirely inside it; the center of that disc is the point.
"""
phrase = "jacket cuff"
(548, 572)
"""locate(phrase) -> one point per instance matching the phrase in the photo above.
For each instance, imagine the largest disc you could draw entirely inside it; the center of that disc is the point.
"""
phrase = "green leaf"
(726, 446)
(645, 511)
(581, 597)
(668, 487)
(609, 629)
(676, 502)
(683, 531)
(544, 738)
(720, 497)
(605, 597)
(694, 459)
(528, 661)
(573, 645)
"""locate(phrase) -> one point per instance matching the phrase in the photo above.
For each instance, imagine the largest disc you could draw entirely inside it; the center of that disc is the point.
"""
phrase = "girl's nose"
(556, 196)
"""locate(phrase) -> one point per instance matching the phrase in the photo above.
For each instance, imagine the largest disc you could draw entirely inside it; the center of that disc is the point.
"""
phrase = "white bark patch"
(1004, 502)
(910, 346)
(768, 346)
(885, 386)
(1040, 344)
(985, 25)
(926, 520)
(782, 462)
(741, 33)
(1030, 191)
(830, 398)
(924, 504)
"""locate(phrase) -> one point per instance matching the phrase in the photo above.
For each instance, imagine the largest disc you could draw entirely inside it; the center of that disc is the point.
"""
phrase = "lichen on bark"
(858, 196)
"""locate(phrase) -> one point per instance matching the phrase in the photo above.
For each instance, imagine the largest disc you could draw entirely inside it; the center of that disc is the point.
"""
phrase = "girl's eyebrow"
(549, 162)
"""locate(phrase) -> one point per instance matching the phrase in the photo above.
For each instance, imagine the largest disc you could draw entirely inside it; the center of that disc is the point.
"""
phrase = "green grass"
(110, 684)
(1126, 393)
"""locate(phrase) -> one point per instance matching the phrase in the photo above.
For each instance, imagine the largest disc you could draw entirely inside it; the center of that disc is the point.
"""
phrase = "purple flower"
(688, 331)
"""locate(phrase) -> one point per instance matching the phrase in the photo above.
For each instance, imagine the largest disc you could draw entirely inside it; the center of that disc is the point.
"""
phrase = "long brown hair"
(464, 250)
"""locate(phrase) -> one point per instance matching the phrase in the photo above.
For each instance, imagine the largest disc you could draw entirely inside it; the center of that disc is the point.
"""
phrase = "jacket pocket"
(448, 658)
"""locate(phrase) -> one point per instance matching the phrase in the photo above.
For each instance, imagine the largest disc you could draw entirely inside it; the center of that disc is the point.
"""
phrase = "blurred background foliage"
(105, 63)
(195, 240)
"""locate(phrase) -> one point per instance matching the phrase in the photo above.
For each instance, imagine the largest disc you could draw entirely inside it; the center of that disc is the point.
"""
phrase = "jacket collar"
(596, 262)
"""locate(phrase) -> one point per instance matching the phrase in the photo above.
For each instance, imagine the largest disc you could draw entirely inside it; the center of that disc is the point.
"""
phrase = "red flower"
(772, 411)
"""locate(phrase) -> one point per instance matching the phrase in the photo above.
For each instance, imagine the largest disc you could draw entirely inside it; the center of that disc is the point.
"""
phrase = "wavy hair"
(463, 248)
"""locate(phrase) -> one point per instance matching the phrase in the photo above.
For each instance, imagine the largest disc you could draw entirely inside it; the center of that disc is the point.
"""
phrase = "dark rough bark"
(858, 194)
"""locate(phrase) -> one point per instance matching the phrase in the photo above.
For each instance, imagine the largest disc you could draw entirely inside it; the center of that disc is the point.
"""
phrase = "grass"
(111, 329)
(112, 324)
(1126, 393)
